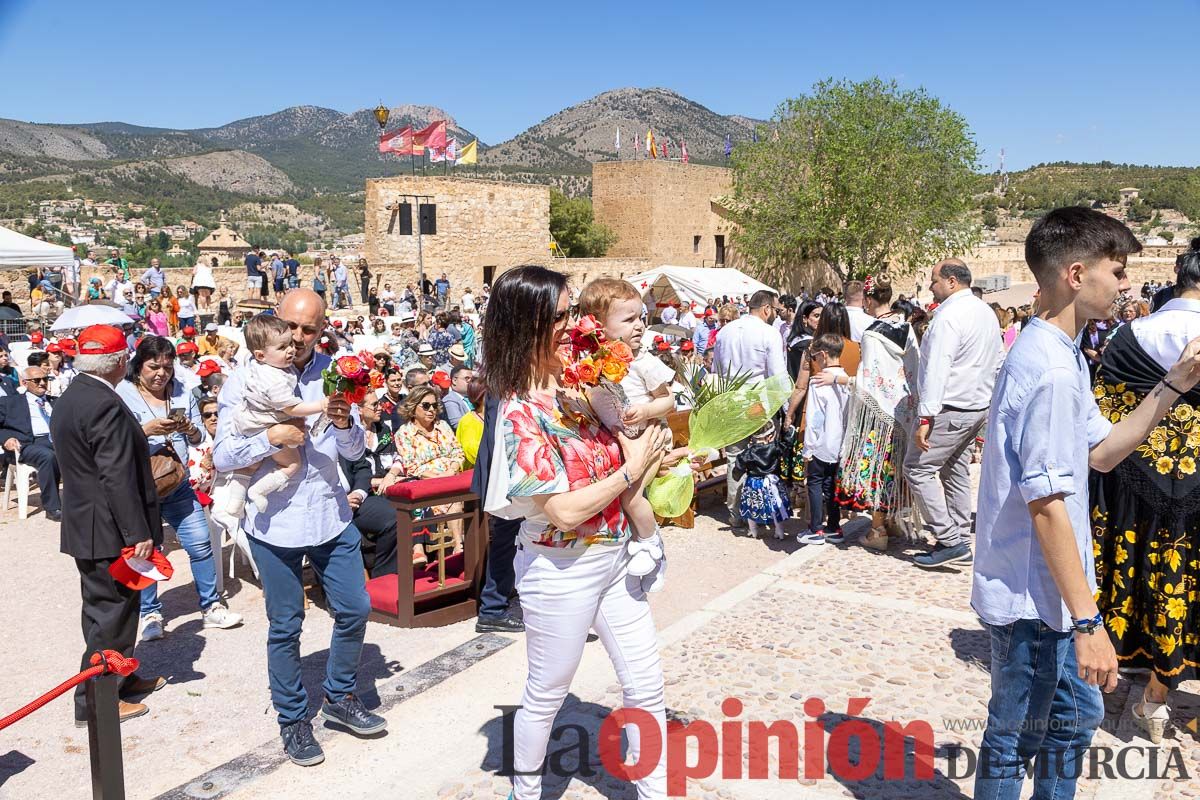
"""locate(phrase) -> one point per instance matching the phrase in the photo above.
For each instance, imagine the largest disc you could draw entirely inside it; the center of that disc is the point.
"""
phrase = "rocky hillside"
(574, 137)
(234, 171)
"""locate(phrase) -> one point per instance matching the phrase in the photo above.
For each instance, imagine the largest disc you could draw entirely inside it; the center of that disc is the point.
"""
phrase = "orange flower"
(621, 351)
(570, 376)
(588, 371)
(614, 370)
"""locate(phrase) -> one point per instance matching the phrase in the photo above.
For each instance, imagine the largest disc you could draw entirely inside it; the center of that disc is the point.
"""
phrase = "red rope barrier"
(110, 661)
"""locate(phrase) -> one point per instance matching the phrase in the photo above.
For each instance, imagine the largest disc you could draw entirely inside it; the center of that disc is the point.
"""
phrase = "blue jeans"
(500, 576)
(339, 566)
(181, 510)
(1041, 711)
(820, 480)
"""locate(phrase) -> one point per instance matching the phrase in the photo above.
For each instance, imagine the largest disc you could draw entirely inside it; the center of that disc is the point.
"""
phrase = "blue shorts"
(279, 284)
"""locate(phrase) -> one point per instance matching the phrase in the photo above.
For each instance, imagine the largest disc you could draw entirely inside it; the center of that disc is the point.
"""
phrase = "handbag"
(168, 471)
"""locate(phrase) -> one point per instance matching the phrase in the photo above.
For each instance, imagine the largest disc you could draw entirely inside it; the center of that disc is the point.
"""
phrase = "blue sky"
(1047, 81)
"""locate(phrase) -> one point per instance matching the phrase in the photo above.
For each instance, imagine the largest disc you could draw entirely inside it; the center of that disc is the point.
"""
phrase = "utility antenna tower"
(1002, 183)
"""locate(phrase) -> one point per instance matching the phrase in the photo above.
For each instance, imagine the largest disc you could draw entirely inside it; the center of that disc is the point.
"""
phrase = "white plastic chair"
(25, 476)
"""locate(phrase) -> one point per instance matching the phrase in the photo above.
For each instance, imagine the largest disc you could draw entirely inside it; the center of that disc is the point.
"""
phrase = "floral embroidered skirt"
(860, 489)
(764, 501)
(1147, 569)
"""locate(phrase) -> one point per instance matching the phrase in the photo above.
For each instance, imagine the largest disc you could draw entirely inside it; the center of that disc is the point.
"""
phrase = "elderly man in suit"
(105, 464)
(25, 433)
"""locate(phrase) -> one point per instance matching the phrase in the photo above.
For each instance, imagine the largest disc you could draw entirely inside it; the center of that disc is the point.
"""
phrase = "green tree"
(575, 229)
(862, 174)
(1138, 211)
(164, 241)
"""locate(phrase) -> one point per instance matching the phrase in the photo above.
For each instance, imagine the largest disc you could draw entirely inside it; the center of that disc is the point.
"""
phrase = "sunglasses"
(428, 406)
(37, 380)
(208, 414)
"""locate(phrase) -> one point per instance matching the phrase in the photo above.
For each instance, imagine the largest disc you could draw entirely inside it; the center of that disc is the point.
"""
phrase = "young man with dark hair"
(1034, 582)
(825, 411)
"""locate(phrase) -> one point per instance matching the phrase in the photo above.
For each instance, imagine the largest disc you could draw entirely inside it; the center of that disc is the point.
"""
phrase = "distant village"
(91, 226)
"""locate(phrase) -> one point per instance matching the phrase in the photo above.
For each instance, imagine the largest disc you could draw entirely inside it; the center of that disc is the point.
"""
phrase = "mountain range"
(317, 149)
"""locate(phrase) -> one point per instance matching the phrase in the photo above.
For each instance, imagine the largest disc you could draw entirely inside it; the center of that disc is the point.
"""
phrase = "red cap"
(157, 569)
(99, 340)
(54, 347)
(69, 347)
(662, 346)
(337, 323)
(188, 330)
(36, 337)
(187, 347)
(709, 313)
(687, 346)
(440, 379)
(207, 367)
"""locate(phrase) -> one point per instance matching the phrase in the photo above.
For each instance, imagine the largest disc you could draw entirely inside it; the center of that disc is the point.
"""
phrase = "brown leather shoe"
(125, 710)
(135, 686)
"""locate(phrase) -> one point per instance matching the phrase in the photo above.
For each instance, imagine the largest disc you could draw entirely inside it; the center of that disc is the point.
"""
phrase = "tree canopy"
(857, 175)
(574, 228)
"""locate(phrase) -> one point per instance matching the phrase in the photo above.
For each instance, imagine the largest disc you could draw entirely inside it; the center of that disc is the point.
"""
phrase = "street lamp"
(381, 116)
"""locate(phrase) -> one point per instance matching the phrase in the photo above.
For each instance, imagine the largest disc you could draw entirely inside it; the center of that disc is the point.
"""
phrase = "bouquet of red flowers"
(350, 377)
(593, 357)
(595, 365)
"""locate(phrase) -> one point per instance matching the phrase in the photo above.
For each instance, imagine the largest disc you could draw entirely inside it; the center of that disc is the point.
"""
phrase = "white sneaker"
(152, 627)
(218, 616)
(810, 538)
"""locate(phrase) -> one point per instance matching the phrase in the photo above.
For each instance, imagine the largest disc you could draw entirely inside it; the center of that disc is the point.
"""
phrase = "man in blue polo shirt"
(1034, 579)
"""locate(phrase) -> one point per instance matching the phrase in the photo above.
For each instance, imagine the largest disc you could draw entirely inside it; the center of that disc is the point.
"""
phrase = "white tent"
(692, 284)
(18, 250)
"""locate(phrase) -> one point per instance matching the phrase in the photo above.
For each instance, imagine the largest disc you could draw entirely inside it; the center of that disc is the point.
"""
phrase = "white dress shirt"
(960, 355)
(749, 345)
(688, 320)
(1165, 333)
(39, 415)
(825, 412)
(859, 322)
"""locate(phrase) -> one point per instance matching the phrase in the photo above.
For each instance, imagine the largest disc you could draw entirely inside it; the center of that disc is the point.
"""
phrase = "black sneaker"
(503, 624)
(942, 556)
(351, 713)
(299, 744)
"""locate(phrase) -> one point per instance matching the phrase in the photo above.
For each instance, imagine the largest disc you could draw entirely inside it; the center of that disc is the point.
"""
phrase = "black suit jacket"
(1161, 298)
(483, 459)
(105, 464)
(14, 419)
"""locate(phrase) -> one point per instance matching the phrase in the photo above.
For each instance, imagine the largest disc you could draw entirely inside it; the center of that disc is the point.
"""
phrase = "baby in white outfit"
(268, 397)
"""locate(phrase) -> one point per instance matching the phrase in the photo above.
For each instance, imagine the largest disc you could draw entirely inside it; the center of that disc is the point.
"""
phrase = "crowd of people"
(892, 401)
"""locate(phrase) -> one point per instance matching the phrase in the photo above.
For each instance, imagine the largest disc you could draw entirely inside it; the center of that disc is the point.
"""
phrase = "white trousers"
(562, 599)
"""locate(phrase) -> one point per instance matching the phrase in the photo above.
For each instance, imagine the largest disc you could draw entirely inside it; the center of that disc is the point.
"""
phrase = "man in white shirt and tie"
(961, 353)
(748, 345)
(25, 433)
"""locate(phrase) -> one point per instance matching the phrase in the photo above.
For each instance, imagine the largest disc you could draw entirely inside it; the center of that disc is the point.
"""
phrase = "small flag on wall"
(617, 143)
(683, 149)
(728, 145)
(650, 144)
(433, 135)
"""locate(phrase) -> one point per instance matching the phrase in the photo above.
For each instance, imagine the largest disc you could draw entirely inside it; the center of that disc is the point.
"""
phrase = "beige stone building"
(666, 211)
(223, 243)
(470, 229)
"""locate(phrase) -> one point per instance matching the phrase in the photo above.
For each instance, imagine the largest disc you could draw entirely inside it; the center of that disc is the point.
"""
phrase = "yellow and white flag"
(470, 153)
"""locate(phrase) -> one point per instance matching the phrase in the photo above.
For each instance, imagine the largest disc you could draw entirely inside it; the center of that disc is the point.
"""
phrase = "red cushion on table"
(431, 487)
(384, 590)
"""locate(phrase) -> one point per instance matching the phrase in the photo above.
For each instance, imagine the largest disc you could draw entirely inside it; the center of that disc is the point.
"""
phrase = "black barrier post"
(104, 738)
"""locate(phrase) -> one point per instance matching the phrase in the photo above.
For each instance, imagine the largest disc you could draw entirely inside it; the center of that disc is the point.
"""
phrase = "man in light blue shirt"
(310, 517)
(1034, 578)
(700, 337)
(154, 278)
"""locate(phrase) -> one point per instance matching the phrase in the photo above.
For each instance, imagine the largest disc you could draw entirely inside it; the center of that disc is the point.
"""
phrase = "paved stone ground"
(769, 623)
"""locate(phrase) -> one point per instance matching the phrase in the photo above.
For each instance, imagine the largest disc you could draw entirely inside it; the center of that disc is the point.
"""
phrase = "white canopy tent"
(692, 284)
(18, 251)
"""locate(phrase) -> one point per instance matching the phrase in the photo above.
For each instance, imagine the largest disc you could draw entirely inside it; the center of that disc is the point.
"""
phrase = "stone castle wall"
(483, 228)
(658, 208)
(1153, 263)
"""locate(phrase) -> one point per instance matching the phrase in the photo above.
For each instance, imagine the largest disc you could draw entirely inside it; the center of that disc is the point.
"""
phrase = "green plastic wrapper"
(726, 419)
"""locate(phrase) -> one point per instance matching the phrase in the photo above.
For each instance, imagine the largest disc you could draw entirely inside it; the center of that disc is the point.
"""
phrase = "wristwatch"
(1087, 625)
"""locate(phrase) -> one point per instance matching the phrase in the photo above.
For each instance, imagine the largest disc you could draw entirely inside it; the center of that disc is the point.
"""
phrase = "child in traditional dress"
(763, 498)
(269, 398)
